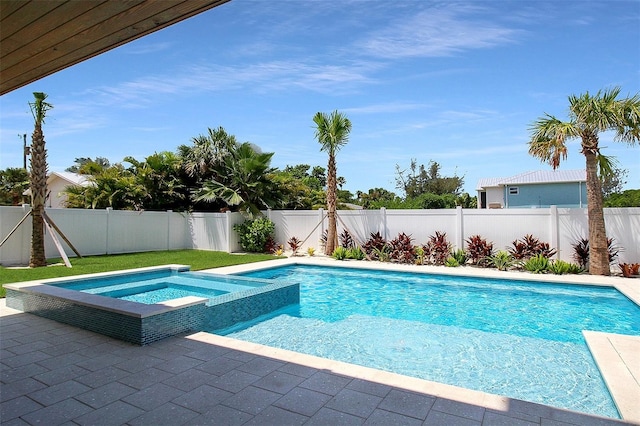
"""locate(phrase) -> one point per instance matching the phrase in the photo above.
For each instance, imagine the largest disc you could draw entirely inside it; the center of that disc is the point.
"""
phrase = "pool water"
(161, 292)
(161, 286)
(514, 338)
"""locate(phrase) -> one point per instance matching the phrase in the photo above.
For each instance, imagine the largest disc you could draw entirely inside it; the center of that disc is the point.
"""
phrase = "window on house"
(514, 190)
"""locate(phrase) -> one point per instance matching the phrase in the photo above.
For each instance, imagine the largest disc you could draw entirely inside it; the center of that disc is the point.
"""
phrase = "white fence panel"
(179, 237)
(302, 224)
(105, 231)
(421, 224)
(136, 231)
(16, 250)
(209, 231)
(623, 224)
(361, 223)
(503, 226)
(87, 230)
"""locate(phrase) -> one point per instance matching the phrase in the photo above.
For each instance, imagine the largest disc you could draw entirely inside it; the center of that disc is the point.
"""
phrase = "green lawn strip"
(197, 259)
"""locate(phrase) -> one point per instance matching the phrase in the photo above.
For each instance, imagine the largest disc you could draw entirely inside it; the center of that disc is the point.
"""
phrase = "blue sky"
(455, 82)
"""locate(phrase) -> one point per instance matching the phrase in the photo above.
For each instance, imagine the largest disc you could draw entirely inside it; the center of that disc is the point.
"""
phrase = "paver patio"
(52, 374)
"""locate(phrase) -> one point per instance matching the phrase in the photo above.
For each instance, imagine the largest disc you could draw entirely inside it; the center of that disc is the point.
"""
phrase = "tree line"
(215, 172)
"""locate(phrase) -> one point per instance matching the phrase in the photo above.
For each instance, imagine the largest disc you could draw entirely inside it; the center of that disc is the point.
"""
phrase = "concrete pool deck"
(52, 373)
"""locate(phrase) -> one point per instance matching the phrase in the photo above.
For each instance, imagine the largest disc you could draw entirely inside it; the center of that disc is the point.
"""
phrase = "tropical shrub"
(437, 250)
(346, 240)
(375, 242)
(311, 251)
(581, 251)
(340, 253)
(502, 260)
(530, 246)
(356, 253)
(478, 249)
(271, 246)
(401, 249)
(255, 234)
(294, 244)
(629, 269)
(537, 264)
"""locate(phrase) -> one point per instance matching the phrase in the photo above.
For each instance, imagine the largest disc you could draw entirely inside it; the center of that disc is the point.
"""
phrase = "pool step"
(618, 358)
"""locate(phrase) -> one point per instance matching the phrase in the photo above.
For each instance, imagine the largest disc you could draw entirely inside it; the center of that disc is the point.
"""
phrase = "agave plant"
(356, 253)
(502, 260)
(383, 254)
(451, 262)
(537, 264)
(460, 256)
(339, 253)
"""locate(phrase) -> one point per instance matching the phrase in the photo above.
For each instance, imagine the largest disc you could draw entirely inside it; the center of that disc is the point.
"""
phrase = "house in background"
(534, 189)
(57, 182)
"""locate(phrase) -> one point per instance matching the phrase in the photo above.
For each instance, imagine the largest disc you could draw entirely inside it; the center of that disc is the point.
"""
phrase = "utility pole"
(26, 150)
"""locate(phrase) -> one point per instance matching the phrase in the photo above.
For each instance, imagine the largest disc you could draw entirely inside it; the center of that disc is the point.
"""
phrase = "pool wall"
(143, 324)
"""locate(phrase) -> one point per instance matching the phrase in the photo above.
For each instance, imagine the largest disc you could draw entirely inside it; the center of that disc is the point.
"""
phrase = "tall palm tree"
(332, 132)
(38, 180)
(588, 117)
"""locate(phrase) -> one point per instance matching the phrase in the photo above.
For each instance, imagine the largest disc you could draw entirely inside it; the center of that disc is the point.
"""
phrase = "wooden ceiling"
(38, 38)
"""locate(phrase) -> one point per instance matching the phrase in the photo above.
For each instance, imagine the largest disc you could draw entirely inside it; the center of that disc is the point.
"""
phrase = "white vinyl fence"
(109, 231)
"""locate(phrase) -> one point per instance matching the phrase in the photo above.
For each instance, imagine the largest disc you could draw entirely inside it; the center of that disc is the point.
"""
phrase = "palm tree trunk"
(332, 235)
(598, 248)
(38, 193)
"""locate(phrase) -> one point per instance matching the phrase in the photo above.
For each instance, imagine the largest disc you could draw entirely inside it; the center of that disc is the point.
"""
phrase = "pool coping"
(616, 355)
(122, 307)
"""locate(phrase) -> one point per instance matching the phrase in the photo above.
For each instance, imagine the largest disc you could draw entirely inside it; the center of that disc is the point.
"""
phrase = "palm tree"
(38, 180)
(588, 117)
(332, 132)
(244, 181)
(13, 182)
(207, 151)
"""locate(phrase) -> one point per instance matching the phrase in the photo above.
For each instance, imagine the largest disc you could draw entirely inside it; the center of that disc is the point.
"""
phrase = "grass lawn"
(198, 259)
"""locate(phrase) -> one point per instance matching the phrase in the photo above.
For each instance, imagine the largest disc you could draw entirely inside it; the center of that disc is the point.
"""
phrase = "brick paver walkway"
(53, 374)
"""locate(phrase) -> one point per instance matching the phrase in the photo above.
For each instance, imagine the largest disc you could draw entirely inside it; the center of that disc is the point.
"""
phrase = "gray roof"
(535, 176)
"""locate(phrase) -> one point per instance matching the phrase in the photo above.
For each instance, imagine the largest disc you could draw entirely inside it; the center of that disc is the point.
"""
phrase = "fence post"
(227, 216)
(459, 228)
(553, 230)
(169, 213)
(385, 231)
(321, 227)
(109, 210)
(25, 238)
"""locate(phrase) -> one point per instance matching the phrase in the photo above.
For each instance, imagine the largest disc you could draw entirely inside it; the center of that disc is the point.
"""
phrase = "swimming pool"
(513, 338)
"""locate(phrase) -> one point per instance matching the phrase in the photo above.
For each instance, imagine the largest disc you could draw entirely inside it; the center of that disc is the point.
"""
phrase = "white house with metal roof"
(534, 189)
(57, 182)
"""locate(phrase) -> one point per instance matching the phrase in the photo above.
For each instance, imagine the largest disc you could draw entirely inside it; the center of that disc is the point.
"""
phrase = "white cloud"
(434, 33)
(385, 108)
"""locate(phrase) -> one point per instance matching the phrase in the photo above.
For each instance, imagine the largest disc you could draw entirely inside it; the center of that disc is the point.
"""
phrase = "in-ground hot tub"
(148, 304)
